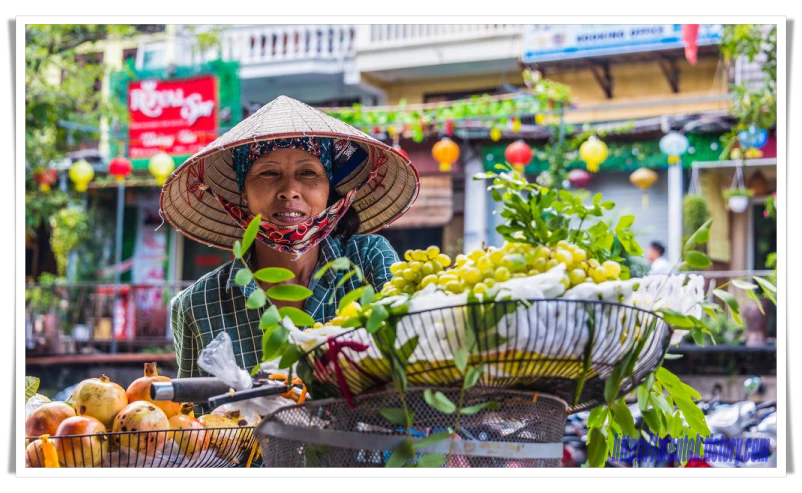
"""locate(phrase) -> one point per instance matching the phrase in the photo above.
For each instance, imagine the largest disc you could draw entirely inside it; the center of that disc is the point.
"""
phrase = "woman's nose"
(288, 189)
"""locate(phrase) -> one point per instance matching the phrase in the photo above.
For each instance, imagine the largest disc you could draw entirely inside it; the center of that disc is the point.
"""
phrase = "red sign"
(178, 117)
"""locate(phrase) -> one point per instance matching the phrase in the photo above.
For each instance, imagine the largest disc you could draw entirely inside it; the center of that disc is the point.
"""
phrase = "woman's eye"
(268, 173)
(308, 172)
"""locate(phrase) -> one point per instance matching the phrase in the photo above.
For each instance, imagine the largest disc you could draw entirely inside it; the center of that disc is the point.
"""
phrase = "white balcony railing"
(380, 36)
(256, 45)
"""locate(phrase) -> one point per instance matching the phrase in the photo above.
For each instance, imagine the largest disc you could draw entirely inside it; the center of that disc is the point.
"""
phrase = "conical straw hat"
(199, 216)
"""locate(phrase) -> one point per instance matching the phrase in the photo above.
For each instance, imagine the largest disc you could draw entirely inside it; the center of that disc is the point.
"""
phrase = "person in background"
(656, 256)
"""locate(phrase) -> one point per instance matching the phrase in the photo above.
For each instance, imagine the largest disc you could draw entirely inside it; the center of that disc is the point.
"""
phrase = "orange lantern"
(643, 178)
(445, 152)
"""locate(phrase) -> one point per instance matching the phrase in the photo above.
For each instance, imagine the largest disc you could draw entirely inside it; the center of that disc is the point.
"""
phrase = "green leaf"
(597, 448)
(642, 394)
(368, 294)
(699, 237)
(698, 336)
(397, 415)
(322, 271)
(731, 302)
(256, 299)
(271, 342)
(243, 277)
(435, 459)
(377, 316)
(299, 317)
(493, 406)
(432, 439)
(623, 417)
(402, 454)
(250, 232)
(341, 263)
(697, 260)
(31, 386)
(255, 370)
(768, 288)
(273, 275)
(653, 421)
(613, 384)
(693, 415)
(439, 401)
(472, 376)
(405, 351)
(290, 356)
(461, 359)
(747, 286)
(237, 249)
(753, 296)
(350, 297)
(676, 319)
(624, 222)
(270, 317)
(289, 292)
(597, 416)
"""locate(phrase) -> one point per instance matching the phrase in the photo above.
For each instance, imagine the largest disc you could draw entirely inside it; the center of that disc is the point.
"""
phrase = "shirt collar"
(330, 249)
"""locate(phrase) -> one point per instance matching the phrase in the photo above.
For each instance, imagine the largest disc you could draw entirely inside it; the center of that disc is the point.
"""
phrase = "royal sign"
(178, 117)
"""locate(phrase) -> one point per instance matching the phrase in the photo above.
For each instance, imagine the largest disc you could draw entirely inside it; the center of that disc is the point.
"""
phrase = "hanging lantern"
(45, 177)
(540, 119)
(401, 151)
(495, 134)
(579, 178)
(673, 145)
(445, 152)
(120, 167)
(161, 165)
(593, 152)
(753, 137)
(518, 154)
(81, 173)
(516, 124)
(643, 178)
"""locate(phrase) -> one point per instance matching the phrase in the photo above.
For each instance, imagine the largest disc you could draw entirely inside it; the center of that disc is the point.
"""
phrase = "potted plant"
(738, 199)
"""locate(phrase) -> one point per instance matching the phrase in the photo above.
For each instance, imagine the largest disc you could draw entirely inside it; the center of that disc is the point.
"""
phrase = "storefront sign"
(175, 116)
(547, 42)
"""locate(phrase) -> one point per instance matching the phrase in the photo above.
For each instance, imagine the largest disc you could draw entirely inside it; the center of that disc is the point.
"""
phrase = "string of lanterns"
(161, 165)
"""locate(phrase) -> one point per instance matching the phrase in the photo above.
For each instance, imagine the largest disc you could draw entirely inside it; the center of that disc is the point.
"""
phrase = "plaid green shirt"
(216, 303)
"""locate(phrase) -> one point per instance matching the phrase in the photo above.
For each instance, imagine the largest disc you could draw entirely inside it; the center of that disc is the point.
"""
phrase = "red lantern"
(401, 151)
(120, 167)
(518, 154)
(45, 177)
(579, 178)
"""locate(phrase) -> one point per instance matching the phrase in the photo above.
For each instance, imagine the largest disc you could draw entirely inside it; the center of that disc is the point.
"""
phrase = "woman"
(316, 182)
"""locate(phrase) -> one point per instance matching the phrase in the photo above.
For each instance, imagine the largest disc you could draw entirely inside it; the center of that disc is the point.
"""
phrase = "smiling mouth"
(289, 217)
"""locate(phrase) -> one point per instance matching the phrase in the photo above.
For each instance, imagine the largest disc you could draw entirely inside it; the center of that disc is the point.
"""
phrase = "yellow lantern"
(161, 165)
(81, 173)
(445, 152)
(495, 134)
(643, 178)
(593, 152)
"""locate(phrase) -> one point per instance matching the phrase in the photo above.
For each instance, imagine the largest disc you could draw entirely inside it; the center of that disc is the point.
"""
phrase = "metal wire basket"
(209, 447)
(539, 345)
(525, 431)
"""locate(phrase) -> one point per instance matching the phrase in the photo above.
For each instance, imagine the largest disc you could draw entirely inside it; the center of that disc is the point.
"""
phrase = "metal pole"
(118, 253)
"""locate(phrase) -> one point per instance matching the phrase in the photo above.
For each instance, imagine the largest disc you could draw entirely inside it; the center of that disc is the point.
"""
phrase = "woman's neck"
(303, 267)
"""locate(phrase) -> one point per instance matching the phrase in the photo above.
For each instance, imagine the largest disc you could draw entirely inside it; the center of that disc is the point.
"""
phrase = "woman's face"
(286, 186)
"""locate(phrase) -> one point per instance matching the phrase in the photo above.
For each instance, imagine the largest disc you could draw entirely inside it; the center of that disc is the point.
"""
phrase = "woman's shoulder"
(216, 279)
(368, 244)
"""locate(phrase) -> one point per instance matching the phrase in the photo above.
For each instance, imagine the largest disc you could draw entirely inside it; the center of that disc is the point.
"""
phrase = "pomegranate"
(84, 451)
(188, 432)
(229, 443)
(139, 390)
(141, 416)
(46, 419)
(41, 453)
(100, 398)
